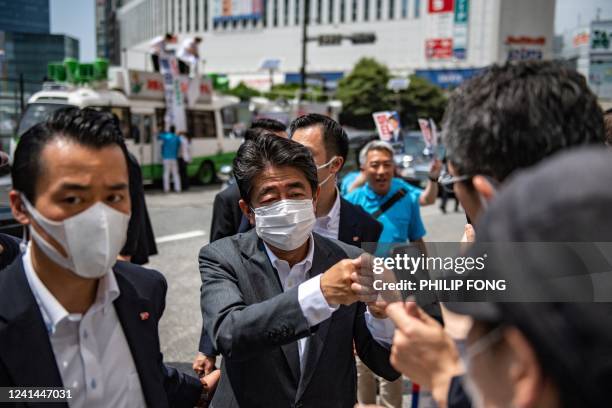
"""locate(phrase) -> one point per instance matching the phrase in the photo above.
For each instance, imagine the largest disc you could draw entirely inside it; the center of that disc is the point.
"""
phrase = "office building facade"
(445, 40)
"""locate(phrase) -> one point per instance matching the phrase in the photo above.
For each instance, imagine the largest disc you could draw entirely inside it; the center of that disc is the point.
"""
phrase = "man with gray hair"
(386, 198)
(396, 207)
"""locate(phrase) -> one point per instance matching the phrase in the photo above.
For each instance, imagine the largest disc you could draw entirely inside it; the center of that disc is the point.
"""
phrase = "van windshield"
(36, 113)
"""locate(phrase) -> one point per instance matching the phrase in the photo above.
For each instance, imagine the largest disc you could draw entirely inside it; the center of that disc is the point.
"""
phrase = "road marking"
(178, 237)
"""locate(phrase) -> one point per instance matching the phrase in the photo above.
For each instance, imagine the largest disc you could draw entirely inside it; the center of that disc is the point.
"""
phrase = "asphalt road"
(182, 224)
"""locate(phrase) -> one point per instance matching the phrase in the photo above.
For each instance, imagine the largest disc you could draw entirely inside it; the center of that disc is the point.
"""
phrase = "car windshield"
(36, 113)
(414, 145)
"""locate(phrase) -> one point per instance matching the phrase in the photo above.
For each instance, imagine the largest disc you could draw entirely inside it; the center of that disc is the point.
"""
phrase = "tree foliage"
(364, 91)
(243, 92)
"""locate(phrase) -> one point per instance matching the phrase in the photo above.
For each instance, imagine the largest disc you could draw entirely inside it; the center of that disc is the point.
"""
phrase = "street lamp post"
(305, 20)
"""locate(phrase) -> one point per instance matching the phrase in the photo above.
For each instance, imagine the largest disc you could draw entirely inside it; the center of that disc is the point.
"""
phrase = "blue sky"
(77, 18)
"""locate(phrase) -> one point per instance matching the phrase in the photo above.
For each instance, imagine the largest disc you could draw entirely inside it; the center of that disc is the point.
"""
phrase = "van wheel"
(206, 174)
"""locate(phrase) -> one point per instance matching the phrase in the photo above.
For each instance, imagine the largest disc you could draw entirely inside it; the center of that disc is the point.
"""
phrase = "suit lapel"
(348, 230)
(265, 284)
(25, 347)
(140, 332)
(323, 259)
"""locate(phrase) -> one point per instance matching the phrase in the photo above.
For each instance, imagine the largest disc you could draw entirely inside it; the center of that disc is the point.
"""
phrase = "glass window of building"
(417, 8)
(342, 11)
(205, 15)
(286, 13)
(330, 11)
(319, 11)
(378, 9)
(297, 12)
(180, 16)
(366, 10)
(404, 8)
(391, 9)
(172, 8)
(188, 14)
(354, 10)
(275, 13)
(196, 13)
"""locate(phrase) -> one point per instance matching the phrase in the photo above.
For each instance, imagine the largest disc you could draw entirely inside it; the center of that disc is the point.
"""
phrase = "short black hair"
(169, 36)
(87, 127)
(172, 129)
(334, 137)
(271, 125)
(513, 116)
(253, 133)
(270, 150)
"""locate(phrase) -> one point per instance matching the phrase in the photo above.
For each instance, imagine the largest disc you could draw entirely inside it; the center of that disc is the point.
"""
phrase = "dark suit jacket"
(26, 355)
(255, 326)
(140, 243)
(356, 226)
(227, 216)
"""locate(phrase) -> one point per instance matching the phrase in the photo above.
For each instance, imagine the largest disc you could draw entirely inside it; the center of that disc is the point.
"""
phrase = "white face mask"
(286, 224)
(92, 239)
(324, 166)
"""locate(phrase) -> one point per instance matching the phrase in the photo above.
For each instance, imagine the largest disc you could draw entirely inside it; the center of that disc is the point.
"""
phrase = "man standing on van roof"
(157, 46)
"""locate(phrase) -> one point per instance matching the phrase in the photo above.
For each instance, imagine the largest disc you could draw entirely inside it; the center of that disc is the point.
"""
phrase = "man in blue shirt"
(169, 149)
(402, 219)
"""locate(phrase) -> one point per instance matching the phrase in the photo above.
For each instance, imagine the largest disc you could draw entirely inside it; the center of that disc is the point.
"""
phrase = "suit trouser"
(171, 166)
(390, 391)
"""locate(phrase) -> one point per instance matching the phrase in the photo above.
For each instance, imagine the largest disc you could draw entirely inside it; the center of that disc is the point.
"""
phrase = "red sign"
(439, 48)
(441, 6)
(524, 40)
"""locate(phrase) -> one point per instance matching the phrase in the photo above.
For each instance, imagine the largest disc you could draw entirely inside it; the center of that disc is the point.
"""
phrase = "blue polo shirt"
(402, 222)
(170, 145)
(347, 181)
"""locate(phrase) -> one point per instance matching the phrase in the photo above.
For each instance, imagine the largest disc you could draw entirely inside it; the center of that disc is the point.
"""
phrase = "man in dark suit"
(227, 220)
(283, 304)
(70, 316)
(339, 219)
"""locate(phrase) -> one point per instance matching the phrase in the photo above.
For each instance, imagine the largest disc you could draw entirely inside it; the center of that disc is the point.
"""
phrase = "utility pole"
(305, 21)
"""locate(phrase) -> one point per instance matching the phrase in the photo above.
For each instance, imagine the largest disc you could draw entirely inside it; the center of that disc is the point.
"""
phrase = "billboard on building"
(600, 61)
(447, 29)
(231, 10)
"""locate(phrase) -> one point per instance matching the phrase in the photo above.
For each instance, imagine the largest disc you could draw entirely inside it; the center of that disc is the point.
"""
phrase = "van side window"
(201, 124)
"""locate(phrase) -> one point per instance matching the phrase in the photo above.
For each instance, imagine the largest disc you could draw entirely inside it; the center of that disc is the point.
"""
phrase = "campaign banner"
(388, 126)
(447, 30)
(173, 93)
(429, 131)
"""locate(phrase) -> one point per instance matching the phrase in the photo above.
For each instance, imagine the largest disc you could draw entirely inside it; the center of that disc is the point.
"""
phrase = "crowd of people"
(287, 295)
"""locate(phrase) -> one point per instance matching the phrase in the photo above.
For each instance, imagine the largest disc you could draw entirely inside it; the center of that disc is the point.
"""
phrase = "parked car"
(413, 160)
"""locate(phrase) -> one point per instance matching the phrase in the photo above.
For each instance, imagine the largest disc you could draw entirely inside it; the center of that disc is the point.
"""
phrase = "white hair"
(374, 145)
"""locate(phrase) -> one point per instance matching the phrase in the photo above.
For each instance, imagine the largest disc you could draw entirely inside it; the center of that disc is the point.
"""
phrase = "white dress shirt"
(91, 351)
(185, 51)
(329, 224)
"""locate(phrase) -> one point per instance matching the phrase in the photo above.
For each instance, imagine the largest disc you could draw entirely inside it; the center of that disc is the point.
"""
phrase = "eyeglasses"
(447, 181)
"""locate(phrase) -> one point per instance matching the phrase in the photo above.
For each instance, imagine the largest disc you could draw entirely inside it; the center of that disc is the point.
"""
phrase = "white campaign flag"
(175, 98)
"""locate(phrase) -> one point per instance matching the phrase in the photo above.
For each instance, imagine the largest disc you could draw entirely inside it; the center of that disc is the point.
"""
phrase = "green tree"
(362, 92)
(243, 92)
(422, 99)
